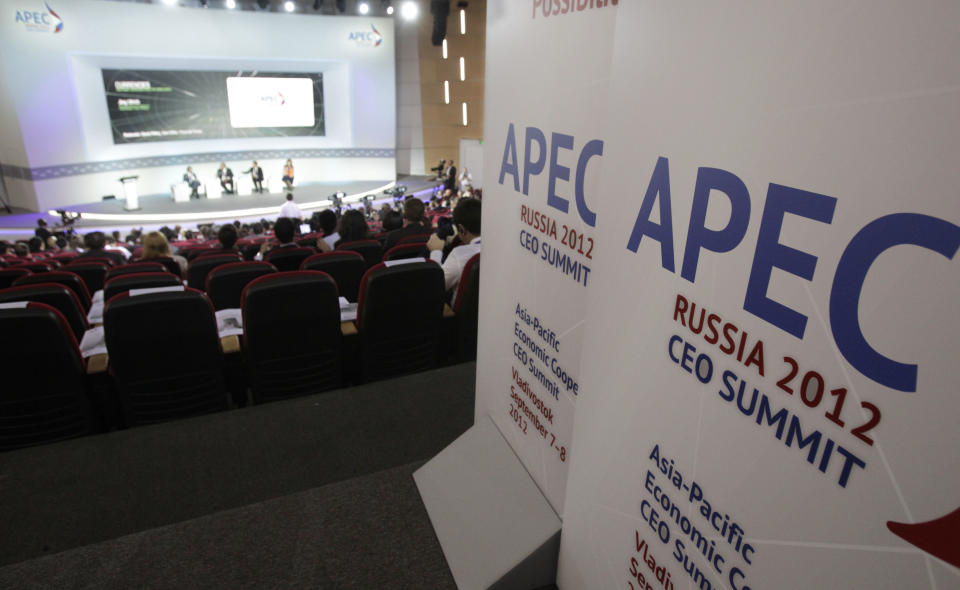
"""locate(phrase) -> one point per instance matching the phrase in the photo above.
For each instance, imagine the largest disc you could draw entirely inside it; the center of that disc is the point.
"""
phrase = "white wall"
(410, 156)
(53, 91)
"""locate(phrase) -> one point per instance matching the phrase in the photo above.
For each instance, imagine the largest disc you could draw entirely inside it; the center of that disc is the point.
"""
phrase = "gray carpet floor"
(134, 484)
(367, 532)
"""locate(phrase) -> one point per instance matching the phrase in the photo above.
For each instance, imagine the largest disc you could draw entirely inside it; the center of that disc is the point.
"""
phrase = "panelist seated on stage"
(225, 175)
(190, 177)
(256, 175)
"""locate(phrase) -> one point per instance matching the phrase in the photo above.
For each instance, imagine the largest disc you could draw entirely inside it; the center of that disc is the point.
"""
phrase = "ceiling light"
(463, 22)
(463, 70)
(409, 10)
(231, 4)
(444, 49)
(289, 6)
(363, 8)
(389, 9)
(169, 2)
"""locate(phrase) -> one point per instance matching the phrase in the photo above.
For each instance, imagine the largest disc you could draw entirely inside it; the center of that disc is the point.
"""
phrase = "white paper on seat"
(149, 290)
(93, 342)
(348, 313)
(343, 302)
(95, 315)
(23, 304)
(390, 263)
(230, 322)
(98, 297)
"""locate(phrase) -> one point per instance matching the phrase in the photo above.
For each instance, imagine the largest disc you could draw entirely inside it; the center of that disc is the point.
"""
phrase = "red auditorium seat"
(345, 266)
(165, 355)
(87, 259)
(143, 280)
(291, 333)
(371, 250)
(36, 267)
(93, 274)
(466, 303)
(286, 259)
(399, 316)
(57, 296)
(136, 267)
(225, 283)
(38, 342)
(9, 275)
(201, 266)
(65, 278)
(401, 251)
(414, 239)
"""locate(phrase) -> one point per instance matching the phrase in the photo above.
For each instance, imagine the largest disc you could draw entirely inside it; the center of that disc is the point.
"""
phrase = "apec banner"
(770, 359)
(543, 143)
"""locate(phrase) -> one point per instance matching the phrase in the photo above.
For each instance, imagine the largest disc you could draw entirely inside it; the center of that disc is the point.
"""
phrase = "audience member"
(113, 246)
(391, 222)
(466, 219)
(22, 250)
(42, 232)
(284, 231)
(35, 244)
(95, 243)
(415, 223)
(328, 225)
(228, 236)
(155, 246)
(290, 209)
(353, 227)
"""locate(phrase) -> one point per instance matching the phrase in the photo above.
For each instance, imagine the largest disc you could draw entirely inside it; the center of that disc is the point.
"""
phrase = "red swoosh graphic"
(939, 537)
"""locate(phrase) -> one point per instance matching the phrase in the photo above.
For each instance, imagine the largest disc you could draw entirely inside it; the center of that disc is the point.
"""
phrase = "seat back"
(141, 280)
(401, 251)
(371, 250)
(101, 259)
(36, 267)
(57, 296)
(345, 266)
(67, 279)
(291, 332)
(414, 239)
(38, 342)
(9, 275)
(200, 267)
(466, 304)
(225, 283)
(136, 267)
(164, 355)
(93, 274)
(287, 259)
(172, 266)
(399, 314)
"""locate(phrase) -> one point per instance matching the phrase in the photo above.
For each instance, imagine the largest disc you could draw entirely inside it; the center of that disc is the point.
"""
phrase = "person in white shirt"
(290, 209)
(466, 218)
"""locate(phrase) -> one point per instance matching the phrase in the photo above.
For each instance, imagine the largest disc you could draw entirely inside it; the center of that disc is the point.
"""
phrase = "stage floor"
(159, 210)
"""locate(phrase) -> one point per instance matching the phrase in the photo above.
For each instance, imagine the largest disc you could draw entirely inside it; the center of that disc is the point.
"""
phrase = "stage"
(159, 210)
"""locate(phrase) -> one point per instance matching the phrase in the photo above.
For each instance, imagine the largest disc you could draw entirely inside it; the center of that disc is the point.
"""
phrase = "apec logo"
(371, 38)
(274, 99)
(39, 21)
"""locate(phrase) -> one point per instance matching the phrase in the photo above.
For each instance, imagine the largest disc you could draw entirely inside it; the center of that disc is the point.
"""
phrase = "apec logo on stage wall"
(39, 21)
(371, 38)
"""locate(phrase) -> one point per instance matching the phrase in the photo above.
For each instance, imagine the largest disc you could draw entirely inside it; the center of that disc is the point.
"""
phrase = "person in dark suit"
(190, 177)
(414, 223)
(226, 178)
(95, 243)
(450, 184)
(256, 173)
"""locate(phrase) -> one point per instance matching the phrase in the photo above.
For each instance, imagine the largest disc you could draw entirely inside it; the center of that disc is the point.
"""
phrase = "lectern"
(130, 193)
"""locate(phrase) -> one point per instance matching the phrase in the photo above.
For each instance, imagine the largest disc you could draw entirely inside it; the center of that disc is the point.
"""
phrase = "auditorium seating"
(87, 259)
(398, 316)
(44, 395)
(36, 267)
(371, 250)
(93, 274)
(143, 280)
(201, 266)
(401, 251)
(291, 334)
(286, 259)
(414, 239)
(225, 283)
(466, 303)
(165, 355)
(345, 266)
(67, 279)
(9, 275)
(57, 296)
(136, 267)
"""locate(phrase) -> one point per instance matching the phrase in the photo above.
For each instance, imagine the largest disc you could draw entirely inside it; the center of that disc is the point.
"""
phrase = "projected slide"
(169, 105)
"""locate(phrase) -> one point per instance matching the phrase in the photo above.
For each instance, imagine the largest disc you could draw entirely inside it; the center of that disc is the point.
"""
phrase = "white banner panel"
(270, 102)
(769, 361)
(542, 148)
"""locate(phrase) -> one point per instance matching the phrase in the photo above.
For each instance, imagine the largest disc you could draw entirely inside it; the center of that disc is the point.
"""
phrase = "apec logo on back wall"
(371, 38)
(44, 20)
